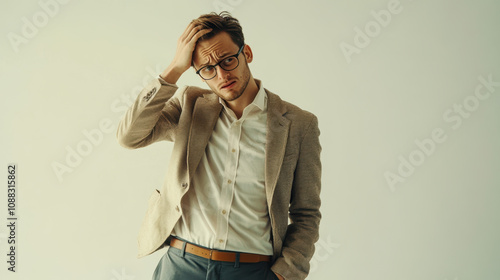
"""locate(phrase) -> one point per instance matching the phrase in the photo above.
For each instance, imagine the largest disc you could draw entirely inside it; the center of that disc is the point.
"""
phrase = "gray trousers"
(179, 265)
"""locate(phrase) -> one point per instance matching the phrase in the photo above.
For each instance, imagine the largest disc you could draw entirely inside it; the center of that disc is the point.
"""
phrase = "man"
(243, 163)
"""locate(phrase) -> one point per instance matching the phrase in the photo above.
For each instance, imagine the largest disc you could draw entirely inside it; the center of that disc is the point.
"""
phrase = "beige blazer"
(187, 117)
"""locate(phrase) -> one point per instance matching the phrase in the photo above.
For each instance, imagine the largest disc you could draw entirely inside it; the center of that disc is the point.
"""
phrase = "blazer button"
(150, 93)
(184, 185)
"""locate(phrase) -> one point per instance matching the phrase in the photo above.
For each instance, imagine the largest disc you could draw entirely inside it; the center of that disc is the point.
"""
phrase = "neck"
(245, 99)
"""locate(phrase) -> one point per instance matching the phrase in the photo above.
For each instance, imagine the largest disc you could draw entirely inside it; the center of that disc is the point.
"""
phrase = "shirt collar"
(260, 99)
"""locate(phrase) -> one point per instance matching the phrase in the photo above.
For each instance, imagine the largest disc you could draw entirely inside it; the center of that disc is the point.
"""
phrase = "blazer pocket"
(154, 198)
(148, 238)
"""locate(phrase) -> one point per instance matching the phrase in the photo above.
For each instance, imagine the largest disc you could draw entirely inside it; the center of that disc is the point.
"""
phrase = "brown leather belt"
(218, 255)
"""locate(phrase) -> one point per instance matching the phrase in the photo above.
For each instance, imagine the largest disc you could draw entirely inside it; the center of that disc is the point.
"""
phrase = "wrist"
(279, 276)
(171, 75)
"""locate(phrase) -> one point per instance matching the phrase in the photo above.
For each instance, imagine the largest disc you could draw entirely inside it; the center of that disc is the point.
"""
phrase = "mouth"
(228, 85)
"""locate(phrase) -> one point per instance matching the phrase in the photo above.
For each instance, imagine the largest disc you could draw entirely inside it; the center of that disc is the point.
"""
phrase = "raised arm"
(155, 113)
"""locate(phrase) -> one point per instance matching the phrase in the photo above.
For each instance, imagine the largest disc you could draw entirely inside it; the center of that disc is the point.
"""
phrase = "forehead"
(210, 50)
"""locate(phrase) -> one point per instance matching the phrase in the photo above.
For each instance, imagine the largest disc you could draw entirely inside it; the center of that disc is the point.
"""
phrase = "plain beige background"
(66, 81)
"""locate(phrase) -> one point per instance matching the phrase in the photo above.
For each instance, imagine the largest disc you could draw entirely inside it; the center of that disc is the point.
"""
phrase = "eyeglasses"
(229, 63)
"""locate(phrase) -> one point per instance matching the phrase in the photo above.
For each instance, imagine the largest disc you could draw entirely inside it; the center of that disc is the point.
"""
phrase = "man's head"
(219, 46)
(222, 22)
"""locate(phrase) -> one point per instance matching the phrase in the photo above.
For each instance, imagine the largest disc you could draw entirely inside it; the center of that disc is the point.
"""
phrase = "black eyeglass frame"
(218, 64)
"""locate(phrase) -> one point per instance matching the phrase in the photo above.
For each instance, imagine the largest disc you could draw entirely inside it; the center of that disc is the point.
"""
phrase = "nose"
(221, 73)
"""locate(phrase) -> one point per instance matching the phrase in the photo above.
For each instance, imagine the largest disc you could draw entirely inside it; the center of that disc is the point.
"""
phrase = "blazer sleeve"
(303, 230)
(153, 116)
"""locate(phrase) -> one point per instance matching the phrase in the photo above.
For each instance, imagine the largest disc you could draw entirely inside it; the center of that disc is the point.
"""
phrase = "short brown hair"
(222, 22)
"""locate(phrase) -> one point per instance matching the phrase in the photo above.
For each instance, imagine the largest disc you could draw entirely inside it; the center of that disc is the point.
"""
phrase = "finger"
(188, 29)
(193, 31)
(200, 33)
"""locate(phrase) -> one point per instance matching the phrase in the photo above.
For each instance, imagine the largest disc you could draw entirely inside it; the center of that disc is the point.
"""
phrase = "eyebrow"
(224, 55)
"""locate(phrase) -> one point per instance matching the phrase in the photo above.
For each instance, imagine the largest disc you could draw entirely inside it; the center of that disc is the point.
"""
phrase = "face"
(229, 85)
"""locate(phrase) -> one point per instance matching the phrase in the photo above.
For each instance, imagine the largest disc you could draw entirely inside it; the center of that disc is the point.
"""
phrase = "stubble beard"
(245, 78)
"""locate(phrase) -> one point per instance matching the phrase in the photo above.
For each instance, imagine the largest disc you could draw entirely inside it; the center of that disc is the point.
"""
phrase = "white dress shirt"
(226, 206)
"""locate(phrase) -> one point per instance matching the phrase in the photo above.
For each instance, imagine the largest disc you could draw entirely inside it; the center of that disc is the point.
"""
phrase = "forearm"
(298, 247)
(171, 74)
(153, 112)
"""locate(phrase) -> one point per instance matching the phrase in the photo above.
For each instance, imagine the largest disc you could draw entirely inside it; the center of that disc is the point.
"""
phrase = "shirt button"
(184, 185)
(229, 181)
(177, 208)
(221, 240)
(233, 150)
(224, 212)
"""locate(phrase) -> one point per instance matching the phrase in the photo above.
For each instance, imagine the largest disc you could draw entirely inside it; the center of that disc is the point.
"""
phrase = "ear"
(247, 51)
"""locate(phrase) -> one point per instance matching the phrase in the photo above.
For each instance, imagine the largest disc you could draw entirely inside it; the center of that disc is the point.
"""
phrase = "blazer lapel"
(205, 114)
(276, 139)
